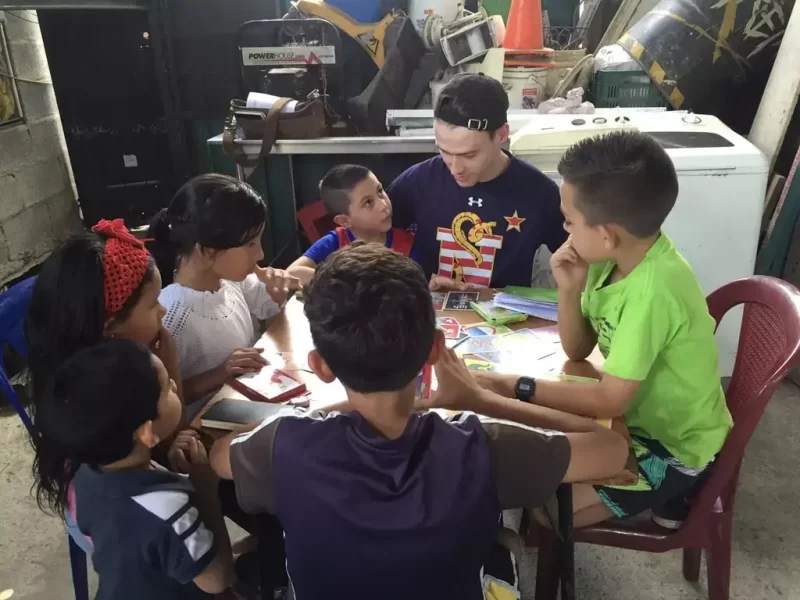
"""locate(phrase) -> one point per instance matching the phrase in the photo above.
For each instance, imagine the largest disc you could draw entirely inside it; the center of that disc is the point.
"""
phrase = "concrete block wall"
(38, 207)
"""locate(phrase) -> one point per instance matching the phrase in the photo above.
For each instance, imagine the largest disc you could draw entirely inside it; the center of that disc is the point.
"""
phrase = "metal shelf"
(341, 145)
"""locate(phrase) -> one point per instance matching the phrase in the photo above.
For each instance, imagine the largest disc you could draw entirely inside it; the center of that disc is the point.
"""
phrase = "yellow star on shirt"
(515, 221)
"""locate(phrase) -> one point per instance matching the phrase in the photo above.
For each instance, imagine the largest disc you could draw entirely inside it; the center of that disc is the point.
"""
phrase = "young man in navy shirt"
(381, 501)
(481, 214)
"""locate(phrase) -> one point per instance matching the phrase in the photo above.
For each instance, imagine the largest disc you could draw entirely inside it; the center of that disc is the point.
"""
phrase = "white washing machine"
(723, 179)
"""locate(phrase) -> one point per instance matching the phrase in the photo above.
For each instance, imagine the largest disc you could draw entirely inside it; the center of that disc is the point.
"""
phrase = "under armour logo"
(478, 201)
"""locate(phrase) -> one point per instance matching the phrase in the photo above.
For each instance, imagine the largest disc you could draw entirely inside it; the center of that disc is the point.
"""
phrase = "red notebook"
(268, 385)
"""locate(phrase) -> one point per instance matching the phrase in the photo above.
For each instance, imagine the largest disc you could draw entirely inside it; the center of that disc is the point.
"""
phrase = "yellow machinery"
(371, 36)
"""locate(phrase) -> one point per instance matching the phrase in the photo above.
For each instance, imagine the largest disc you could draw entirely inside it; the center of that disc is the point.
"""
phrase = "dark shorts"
(661, 478)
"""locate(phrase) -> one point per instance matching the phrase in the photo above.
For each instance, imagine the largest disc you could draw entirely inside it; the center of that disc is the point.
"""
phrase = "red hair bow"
(125, 261)
(116, 229)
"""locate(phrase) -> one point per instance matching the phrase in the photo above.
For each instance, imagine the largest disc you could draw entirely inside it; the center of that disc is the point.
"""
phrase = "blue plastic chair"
(13, 310)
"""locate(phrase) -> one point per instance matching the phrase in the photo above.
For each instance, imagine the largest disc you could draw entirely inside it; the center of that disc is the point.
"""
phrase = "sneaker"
(672, 514)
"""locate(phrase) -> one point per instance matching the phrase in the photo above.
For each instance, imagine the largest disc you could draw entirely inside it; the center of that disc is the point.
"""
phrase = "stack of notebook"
(536, 302)
(496, 316)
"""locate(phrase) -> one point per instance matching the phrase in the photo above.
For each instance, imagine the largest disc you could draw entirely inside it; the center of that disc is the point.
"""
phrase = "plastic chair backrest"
(14, 304)
(315, 220)
(769, 347)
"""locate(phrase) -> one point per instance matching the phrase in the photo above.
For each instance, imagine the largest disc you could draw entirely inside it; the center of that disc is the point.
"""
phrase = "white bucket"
(525, 86)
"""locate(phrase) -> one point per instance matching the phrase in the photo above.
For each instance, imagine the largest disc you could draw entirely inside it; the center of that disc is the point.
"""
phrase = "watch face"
(524, 387)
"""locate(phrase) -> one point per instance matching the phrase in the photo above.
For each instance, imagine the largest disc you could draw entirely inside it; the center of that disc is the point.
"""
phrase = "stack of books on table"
(536, 302)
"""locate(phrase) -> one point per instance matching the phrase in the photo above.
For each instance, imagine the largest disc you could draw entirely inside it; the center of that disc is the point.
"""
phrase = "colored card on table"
(526, 343)
(455, 342)
(288, 361)
(460, 300)
(438, 300)
(548, 334)
(483, 329)
(474, 364)
(451, 327)
(495, 357)
(480, 345)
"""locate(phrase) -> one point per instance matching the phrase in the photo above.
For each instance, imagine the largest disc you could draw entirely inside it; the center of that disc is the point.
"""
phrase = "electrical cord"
(23, 80)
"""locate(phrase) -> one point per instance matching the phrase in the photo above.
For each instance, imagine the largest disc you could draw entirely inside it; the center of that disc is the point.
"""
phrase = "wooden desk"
(289, 339)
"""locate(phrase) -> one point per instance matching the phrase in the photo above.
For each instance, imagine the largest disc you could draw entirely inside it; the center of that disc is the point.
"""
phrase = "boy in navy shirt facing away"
(382, 501)
(361, 209)
(481, 214)
(157, 535)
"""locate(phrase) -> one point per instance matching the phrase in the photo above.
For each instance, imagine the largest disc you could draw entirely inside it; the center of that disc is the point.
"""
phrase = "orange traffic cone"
(524, 28)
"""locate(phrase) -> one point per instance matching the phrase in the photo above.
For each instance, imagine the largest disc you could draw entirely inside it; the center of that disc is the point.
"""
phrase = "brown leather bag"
(308, 121)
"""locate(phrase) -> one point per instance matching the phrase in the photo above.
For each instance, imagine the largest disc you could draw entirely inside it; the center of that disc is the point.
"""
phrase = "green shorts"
(662, 477)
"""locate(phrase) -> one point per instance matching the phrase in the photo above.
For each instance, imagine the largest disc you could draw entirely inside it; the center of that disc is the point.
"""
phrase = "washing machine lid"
(694, 142)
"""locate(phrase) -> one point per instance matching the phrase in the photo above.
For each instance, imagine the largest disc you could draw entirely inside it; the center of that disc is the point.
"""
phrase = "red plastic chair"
(315, 220)
(769, 347)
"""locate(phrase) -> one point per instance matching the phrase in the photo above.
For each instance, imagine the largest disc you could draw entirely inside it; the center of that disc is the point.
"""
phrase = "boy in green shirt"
(622, 285)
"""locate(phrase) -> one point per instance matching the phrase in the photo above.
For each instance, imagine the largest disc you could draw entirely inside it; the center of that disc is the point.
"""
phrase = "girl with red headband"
(95, 286)
(99, 285)
(208, 245)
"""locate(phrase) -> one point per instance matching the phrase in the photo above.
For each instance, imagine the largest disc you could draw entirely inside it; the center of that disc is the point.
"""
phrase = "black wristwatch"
(525, 389)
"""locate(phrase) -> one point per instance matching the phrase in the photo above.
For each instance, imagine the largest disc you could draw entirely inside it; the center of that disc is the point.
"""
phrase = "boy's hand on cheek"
(569, 269)
(278, 283)
(457, 387)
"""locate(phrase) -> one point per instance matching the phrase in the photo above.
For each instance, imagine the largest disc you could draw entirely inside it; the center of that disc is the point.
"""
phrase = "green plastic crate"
(626, 89)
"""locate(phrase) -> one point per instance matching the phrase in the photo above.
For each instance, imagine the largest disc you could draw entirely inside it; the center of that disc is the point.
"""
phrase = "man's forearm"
(493, 405)
(577, 338)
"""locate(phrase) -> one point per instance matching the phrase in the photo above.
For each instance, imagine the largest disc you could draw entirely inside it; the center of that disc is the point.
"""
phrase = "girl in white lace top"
(207, 244)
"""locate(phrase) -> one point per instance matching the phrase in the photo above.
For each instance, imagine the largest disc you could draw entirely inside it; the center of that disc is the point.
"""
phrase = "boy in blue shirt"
(381, 501)
(156, 534)
(361, 210)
